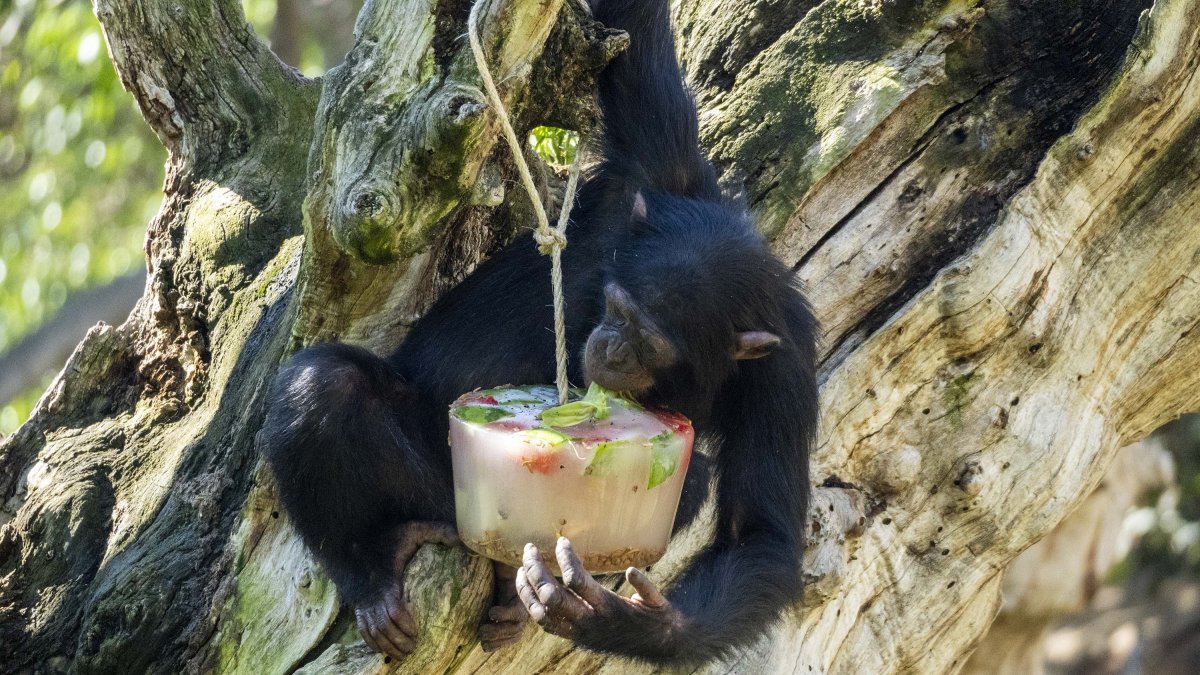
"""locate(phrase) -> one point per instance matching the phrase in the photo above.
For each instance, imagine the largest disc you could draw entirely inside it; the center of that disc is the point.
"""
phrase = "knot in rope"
(550, 241)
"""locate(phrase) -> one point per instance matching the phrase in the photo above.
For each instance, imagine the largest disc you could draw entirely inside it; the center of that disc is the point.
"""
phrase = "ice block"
(601, 470)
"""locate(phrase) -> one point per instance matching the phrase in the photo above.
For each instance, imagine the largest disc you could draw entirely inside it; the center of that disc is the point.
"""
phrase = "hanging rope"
(551, 241)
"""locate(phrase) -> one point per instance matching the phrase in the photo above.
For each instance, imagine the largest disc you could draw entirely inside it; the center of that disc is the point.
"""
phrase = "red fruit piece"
(541, 462)
(678, 423)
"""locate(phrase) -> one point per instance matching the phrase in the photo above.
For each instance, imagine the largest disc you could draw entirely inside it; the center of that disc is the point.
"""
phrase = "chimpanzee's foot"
(386, 624)
(384, 621)
(505, 621)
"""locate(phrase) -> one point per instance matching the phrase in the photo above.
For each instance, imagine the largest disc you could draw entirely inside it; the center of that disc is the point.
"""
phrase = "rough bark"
(991, 204)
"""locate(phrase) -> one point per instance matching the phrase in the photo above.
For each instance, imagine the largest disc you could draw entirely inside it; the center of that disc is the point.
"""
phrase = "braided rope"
(550, 241)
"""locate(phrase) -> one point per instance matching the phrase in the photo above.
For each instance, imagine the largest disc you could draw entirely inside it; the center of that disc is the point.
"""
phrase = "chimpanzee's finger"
(647, 593)
(564, 608)
(364, 631)
(415, 534)
(512, 611)
(393, 640)
(377, 642)
(380, 633)
(578, 579)
(550, 592)
(529, 598)
(553, 607)
(505, 574)
(398, 613)
(506, 605)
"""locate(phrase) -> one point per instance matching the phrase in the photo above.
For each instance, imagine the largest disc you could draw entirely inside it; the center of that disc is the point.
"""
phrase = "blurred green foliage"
(261, 15)
(1168, 529)
(317, 33)
(80, 172)
(556, 146)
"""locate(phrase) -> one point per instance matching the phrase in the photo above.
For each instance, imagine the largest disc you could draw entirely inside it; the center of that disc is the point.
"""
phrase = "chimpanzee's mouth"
(631, 383)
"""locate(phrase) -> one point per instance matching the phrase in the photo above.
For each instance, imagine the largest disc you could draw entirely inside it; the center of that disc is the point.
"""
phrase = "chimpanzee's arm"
(651, 137)
(735, 589)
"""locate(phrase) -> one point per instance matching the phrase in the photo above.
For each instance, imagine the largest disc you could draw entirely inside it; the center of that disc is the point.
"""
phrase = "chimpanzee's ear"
(639, 208)
(755, 344)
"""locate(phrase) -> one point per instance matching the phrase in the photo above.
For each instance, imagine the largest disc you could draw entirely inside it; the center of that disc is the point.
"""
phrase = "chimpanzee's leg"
(354, 474)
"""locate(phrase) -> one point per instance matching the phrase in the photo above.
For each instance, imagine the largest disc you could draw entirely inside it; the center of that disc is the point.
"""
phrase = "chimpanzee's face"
(671, 303)
(627, 347)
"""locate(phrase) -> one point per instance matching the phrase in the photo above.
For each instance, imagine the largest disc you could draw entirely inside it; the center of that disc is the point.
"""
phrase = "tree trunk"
(992, 206)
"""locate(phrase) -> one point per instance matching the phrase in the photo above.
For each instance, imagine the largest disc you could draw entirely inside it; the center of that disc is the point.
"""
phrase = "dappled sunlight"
(80, 172)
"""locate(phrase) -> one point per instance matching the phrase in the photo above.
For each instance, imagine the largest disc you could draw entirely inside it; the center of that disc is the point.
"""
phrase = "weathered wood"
(990, 204)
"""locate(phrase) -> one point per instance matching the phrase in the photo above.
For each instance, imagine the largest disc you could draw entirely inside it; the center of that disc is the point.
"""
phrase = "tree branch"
(403, 138)
(1059, 575)
(206, 79)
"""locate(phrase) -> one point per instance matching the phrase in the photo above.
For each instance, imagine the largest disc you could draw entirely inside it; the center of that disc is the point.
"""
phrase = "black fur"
(342, 438)
(357, 451)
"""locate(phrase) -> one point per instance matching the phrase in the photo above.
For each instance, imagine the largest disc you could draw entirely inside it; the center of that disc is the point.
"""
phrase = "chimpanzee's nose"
(619, 354)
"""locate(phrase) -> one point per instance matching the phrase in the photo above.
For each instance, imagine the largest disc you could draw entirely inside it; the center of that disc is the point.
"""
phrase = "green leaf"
(604, 461)
(480, 414)
(568, 414)
(543, 437)
(593, 406)
(597, 396)
(665, 452)
(628, 403)
(523, 401)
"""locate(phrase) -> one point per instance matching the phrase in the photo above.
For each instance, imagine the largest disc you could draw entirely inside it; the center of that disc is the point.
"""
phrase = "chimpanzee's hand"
(579, 608)
(384, 621)
(506, 619)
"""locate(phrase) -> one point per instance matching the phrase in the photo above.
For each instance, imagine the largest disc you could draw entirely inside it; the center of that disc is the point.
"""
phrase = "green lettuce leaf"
(480, 414)
(604, 462)
(593, 406)
(568, 414)
(598, 398)
(666, 449)
(544, 437)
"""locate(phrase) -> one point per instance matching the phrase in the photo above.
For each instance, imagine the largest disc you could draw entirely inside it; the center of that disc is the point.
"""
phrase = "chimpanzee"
(672, 297)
